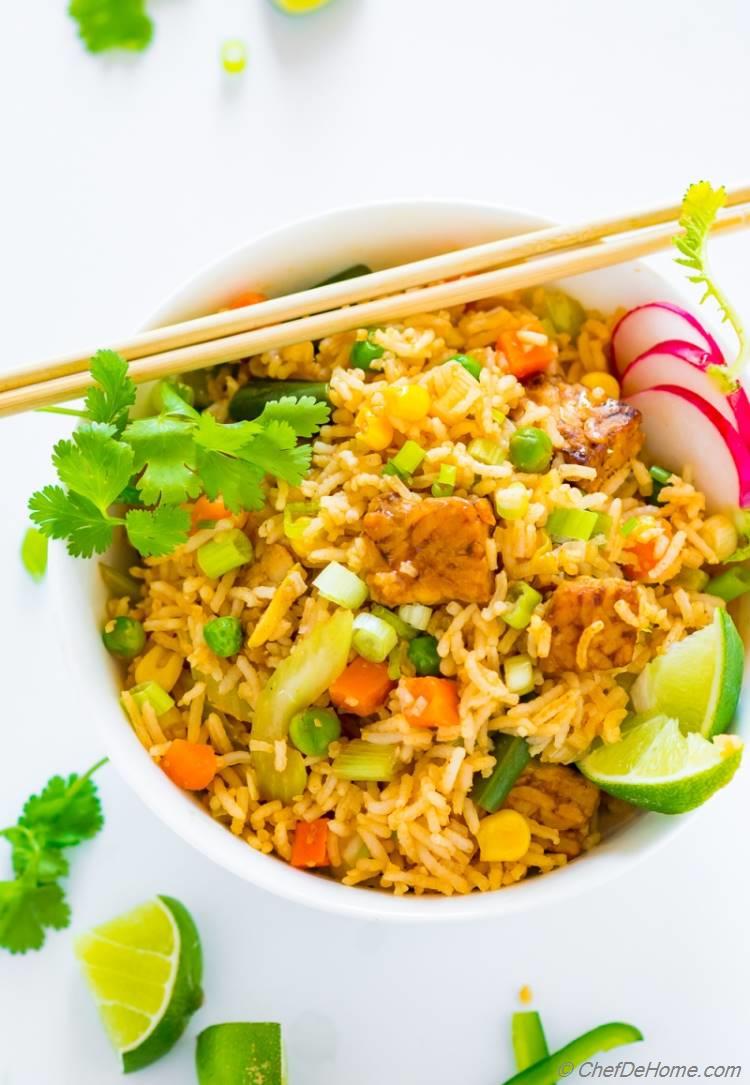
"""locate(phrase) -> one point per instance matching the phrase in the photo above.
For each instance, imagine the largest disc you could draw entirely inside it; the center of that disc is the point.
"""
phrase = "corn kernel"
(161, 666)
(503, 837)
(377, 433)
(407, 402)
(603, 382)
(721, 535)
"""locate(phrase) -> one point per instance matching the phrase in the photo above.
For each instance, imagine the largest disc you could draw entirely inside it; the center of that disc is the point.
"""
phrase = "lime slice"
(698, 680)
(299, 7)
(145, 970)
(241, 1053)
(657, 767)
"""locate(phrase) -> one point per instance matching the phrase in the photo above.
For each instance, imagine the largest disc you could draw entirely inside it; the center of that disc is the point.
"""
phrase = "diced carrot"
(640, 558)
(191, 765)
(362, 687)
(206, 511)
(246, 297)
(524, 360)
(435, 702)
(310, 847)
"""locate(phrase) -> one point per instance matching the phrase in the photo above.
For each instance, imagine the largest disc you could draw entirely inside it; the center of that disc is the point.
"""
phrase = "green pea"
(364, 352)
(471, 365)
(223, 636)
(313, 730)
(124, 637)
(530, 449)
(424, 655)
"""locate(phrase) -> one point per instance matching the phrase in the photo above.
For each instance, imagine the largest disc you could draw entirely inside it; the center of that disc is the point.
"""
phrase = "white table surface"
(122, 176)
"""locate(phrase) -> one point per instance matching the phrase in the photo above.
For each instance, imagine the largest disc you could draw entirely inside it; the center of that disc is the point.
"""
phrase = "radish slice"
(684, 365)
(644, 327)
(682, 429)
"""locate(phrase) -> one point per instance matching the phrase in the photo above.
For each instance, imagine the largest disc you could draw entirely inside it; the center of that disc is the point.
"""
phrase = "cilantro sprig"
(112, 24)
(700, 206)
(161, 462)
(64, 814)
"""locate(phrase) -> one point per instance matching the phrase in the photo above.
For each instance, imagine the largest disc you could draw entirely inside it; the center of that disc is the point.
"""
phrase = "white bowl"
(286, 259)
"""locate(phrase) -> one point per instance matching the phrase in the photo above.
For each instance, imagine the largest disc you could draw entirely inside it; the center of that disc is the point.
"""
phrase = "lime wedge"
(144, 969)
(241, 1053)
(299, 7)
(698, 680)
(657, 767)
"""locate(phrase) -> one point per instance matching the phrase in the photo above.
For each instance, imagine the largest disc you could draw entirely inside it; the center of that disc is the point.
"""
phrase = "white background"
(119, 178)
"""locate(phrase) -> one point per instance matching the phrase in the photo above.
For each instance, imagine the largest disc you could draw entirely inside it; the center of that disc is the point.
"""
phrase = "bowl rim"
(639, 839)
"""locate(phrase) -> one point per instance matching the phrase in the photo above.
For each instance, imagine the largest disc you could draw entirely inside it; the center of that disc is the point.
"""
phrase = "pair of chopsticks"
(481, 271)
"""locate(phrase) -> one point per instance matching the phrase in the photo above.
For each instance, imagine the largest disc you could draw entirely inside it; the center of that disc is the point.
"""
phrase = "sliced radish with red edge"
(683, 365)
(681, 430)
(644, 327)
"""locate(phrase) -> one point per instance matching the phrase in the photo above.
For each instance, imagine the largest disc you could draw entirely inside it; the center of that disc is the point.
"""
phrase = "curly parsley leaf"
(27, 910)
(239, 483)
(700, 206)
(66, 812)
(165, 452)
(93, 465)
(155, 532)
(304, 414)
(112, 24)
(69, 516)
(114, 393)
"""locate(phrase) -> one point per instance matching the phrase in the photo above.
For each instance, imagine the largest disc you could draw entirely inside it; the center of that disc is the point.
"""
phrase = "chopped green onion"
(498, 415)
(361, 760)
(124, 637)
(34, 553)
(313, 730)
(223, 636)
(446, 481)
(121, 585)
(530, 449)
(565, 524)
(486, 451)
(396, 661)
(406, 460)
(730, 584)
(152, 693)
(603, 524)
(603, 1038)
(511, 758)
(297, 516)
(661, 478)
(403, 629)
(564, 313)
(519, 674)
(415, 614)
(341, 586)
(522, 599)
(423, 654)
(227, 551)
(234, 56)
(373, 638)
(471, 365)
(363, 353)
(692, 579)
(529, 1041)
(629, 526)
(512, 502)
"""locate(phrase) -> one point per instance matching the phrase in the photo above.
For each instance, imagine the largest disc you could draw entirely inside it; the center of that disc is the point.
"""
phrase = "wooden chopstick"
(69, 378)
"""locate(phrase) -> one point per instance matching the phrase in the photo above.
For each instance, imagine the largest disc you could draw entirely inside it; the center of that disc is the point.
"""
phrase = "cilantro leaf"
(700, 206)
(238, 482)
(65, 812)
(110, 399)
(112, 24)
(94, 465)
(34, 553)
(26, 909)
(165, 451)
(61, 515)
(276, 451)
(154, 532)
(48, 862)
(224, 438)
(304, 414)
